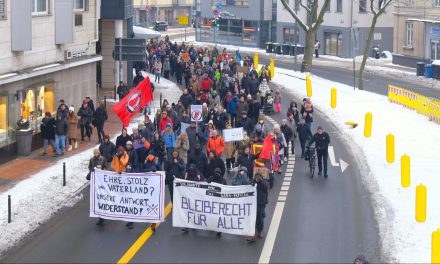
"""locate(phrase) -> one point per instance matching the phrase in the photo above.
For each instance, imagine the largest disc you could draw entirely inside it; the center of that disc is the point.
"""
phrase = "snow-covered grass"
(404, 240)
(38, 198)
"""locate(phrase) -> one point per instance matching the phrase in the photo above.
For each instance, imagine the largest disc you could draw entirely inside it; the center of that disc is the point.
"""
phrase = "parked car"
(161, 26)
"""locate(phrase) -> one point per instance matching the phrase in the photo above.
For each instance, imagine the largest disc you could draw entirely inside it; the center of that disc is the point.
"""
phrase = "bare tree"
(377, 8)
(314, 21)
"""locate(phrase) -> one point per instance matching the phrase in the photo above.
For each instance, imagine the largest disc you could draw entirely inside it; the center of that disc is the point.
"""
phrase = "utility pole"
(295, 66)
(352, 37)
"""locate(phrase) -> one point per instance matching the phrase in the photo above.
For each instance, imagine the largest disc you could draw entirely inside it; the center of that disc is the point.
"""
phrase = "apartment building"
(146, 12)
(240, 22)
(416, 32)
(345, 28)
(47, 53)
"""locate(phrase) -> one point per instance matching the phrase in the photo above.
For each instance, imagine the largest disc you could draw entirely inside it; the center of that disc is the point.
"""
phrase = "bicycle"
(312, 160)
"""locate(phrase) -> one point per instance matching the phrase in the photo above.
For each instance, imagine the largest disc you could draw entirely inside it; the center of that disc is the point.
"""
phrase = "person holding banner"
(174, 168)
(262, 200)
(120, 160)
(198, 158)
(97, 161)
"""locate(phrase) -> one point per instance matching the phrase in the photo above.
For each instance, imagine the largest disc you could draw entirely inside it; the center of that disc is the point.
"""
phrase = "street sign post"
(130, 49)
(183, 20)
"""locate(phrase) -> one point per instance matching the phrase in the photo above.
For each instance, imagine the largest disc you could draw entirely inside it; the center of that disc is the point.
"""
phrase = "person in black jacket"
(254, 86)
(304, 134)
(157, 147)
(262, 200)
(100, 117)
(86, 114)
(198, 158)
(288, 135)
(321, 140)
(213, 163)
(246, 123)
(48, 131)
(132, 164)
(62, 127)
(138, 79)
(254, 109)
(174, 168)
(186, 99)
(107, 149)
(122, 139)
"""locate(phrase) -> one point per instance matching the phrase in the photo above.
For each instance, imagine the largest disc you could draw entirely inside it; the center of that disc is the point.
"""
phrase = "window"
(409, 34)
(40, 7)
(362, 6)
(289, 35)
(338, 6)
(78, 20)
(435, 50)
(436, 3)
(296, 5)
(78, 5)
(2, 9)
(328, 7)
(408, 2)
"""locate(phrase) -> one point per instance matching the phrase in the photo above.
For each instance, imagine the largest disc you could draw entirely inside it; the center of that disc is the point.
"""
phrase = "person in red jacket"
(206, 84)
(164, 121)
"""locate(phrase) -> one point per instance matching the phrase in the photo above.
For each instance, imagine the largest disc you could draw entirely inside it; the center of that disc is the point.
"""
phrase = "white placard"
(196, 113)
(215, 207)
(206, 59)
(132, 197)
(183, 127)
(233, 134)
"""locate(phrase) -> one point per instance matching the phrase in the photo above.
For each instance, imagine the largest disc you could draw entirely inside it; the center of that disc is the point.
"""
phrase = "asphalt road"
(372, 82)
(324, 220)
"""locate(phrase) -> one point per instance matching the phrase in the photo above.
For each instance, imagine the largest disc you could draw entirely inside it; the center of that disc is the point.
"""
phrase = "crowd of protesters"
(232, 92)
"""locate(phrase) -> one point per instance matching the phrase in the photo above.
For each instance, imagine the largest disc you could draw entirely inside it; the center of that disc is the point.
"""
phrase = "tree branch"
(305, 6)
(372, 7)
(321, 14)
(300, 22)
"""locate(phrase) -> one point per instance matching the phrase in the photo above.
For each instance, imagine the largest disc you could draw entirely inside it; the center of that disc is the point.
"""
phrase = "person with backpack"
(241, 177)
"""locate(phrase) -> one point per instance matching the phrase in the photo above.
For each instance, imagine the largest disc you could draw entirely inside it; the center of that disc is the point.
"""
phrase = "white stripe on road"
(266, 253)
(285, 188)
(286, 183)
(332, 157)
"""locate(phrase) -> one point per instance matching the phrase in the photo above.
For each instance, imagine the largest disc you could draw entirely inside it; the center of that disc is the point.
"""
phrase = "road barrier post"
(421, 203)
(64, 174)
(9, 209)
(160, 100)
(256, 60)
(308, 85)
(390, 148)
(105, 102)
(272, 67)
(333, 98)
(405, 169)
(368, 124)
(435, 249)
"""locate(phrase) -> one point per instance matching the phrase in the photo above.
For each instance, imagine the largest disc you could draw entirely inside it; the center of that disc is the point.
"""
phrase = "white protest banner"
(215, 207)
(206, 59)
(183, 127)
(131, 197)
(196, 113)
(233, 134)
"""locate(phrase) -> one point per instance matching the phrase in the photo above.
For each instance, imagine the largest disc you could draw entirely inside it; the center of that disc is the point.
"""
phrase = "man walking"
(60, 135)
(322, 140)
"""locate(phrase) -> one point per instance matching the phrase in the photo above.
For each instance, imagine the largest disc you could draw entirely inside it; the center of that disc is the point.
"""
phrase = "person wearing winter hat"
(288, 135)
(72, 132)
(258, 135)
(241, 177)
(170, 138)
(120, 160)
(164, 121)
(216, 144)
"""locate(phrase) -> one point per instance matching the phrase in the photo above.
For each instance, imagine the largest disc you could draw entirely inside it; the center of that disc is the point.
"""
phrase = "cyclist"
(322, 140)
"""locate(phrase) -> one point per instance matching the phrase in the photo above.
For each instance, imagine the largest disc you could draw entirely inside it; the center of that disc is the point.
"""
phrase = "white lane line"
(332, 157)
(281, 199)
(283, 193)
(285, 188)
(288, 178)
(290, 166)
(286, 184)
(266, 253)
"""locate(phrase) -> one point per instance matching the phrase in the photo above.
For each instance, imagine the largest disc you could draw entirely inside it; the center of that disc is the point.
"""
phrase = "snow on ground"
(38, 198)
(404, 240)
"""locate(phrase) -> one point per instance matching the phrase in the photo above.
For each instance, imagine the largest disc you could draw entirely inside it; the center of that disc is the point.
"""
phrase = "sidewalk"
(24, 167)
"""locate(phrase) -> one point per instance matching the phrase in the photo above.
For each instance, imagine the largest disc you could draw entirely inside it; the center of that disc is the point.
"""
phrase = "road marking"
(286, 183)
(131, 252)
(281, 199)
(332, 157)
(285, 188)
(344, 165)
(266, 253)
(288, 178)
(283, 193)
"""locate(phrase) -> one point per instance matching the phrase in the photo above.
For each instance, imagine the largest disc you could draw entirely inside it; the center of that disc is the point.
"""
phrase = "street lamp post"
(295, 67)
(353, 42)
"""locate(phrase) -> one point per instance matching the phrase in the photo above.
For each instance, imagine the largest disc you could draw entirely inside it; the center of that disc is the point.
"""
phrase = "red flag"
(132, 103)
(267, 148)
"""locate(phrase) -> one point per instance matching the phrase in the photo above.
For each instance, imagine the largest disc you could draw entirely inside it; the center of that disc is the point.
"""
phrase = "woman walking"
(72, 133)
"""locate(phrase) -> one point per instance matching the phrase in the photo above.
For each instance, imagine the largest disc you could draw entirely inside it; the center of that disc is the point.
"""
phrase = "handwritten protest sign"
(215, 207)
(132, 197)
(233, 134)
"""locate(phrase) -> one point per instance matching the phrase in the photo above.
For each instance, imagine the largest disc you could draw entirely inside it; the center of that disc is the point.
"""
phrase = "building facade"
(47, 53)
(146, 12)
(416, 32)
(240, 22)
(344, 30)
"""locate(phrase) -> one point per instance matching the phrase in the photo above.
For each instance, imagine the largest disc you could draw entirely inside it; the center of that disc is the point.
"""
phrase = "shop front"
(237, 32)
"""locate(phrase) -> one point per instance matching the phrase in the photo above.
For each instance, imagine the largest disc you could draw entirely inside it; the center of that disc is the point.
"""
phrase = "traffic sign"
(196, 113)
(148, 8)
(183, 20)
